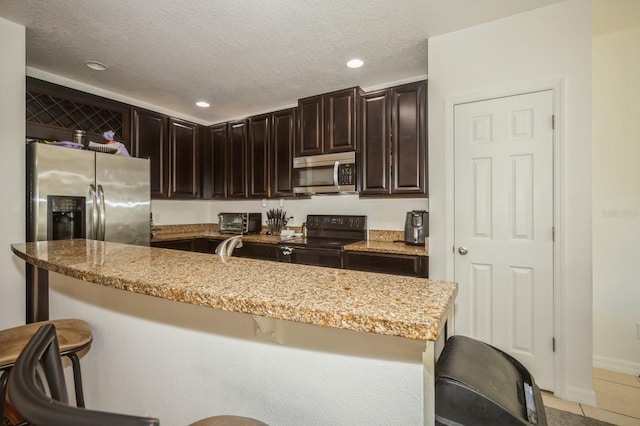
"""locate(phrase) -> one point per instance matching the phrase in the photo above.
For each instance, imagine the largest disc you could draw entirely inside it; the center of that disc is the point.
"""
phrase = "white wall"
(542, 45)
(616, 199)
(381, 214)
(181, 362)
(12, 171)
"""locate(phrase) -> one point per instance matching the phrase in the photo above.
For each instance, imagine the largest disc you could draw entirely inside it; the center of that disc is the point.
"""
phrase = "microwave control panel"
(346, 174)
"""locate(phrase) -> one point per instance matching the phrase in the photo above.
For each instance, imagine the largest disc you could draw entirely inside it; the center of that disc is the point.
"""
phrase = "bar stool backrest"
(36, 406)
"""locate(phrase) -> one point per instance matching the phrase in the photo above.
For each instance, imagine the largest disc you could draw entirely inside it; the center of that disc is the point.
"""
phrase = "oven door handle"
(336, 166)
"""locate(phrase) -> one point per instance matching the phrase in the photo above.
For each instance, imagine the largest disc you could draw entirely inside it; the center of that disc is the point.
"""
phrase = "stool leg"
(3, 391)
(77, 378)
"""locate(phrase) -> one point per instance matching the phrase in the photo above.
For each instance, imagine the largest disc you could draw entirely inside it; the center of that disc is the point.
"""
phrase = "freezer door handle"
(93, 229)
(103, 214)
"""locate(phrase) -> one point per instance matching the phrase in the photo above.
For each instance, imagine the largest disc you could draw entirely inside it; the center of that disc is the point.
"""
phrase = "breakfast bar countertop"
(415, 308)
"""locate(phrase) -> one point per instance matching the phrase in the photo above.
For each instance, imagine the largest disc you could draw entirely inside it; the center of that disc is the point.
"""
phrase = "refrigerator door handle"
(103, 214)
(93, 229)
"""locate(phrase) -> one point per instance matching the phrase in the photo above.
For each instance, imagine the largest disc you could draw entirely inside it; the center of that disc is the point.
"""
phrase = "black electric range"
(326, 237)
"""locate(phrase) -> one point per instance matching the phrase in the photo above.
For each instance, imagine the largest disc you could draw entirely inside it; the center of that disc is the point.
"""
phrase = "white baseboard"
(617, 365)
(580, 395)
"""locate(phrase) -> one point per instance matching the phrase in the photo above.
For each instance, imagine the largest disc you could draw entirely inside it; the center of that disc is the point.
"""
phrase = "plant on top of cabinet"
(393, 145)
(328, 123)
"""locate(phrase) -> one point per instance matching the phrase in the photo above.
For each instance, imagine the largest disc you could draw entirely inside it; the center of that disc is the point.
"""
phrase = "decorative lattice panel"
(67, 114)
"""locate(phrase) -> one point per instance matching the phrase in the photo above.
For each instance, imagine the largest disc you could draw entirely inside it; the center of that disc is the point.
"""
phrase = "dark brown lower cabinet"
(258, 251)
(200, 245)
(397, 264)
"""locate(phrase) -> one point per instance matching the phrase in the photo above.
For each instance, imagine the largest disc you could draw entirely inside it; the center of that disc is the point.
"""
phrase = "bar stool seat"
(228, 421)
(74, 336)
(52, 409)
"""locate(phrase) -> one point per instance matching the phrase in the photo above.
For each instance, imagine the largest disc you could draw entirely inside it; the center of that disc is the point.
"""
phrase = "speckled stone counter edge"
(414, 308)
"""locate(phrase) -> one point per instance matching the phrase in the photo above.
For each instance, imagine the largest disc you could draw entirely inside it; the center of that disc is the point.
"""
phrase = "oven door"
(331, 258)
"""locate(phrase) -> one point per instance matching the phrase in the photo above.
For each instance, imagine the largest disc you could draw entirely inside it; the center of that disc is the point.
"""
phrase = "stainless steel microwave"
(325, 174)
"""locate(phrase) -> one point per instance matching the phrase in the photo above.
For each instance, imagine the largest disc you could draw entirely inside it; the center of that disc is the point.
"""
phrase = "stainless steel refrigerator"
(74, 193)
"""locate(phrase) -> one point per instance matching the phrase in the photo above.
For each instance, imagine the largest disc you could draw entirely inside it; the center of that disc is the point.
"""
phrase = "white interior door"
(504, 227)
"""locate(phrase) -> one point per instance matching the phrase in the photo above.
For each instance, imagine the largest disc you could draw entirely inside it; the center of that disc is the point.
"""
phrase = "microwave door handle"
(102, 213)
(336, 165)
(93, 231)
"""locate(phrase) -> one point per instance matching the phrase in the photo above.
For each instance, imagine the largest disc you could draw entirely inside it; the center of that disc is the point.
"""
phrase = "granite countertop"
(379, 241)
(415, 308)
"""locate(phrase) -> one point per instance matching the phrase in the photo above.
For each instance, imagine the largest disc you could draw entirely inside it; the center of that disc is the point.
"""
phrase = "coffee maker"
(416, 227)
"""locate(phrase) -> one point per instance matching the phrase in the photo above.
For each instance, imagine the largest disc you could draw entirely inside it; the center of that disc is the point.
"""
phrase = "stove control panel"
(337, 222)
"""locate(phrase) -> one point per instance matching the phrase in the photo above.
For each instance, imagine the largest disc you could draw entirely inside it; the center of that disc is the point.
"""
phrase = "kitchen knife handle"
(93, 229)
(103, 214)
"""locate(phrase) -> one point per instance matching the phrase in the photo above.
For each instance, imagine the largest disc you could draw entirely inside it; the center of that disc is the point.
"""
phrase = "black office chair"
(30, 399)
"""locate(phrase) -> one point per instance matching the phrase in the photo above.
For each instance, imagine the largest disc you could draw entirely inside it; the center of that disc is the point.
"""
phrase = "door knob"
(462, 250)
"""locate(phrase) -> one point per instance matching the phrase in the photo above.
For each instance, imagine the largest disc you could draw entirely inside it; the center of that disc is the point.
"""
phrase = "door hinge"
(553, 343)
(553, 121)
(553, 233)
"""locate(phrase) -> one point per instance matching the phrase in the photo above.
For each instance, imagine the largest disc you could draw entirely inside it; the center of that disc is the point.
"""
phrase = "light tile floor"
(617, 396)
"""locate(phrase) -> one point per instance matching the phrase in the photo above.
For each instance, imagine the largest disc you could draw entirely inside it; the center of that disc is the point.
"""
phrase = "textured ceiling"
(242, 56)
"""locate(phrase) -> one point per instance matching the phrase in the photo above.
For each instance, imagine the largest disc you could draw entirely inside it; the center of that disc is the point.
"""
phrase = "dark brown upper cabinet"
(237, 159)
(150, 141)
(270, 154)
(282, 146)
(393, 148)
(214, 162)
(258, 155)
(328, 123)
(184, 168)
(375, 146)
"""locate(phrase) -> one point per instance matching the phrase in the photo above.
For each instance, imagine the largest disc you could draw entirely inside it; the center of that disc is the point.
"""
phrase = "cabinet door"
(409, 139)
(311, 139)
(375, 135)
(214, 162)
(258, 155)
(340, 121)
(386, 263)
(150, 141)
(282, 145)
(183, 144)
(237, 160)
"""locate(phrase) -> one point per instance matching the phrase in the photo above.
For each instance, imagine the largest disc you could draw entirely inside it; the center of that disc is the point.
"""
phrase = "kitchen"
(447, 54)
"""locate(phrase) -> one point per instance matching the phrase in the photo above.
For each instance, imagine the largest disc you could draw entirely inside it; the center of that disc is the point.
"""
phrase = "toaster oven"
(239, 223)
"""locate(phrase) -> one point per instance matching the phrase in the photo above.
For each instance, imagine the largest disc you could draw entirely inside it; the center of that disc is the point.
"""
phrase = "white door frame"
(559, 263)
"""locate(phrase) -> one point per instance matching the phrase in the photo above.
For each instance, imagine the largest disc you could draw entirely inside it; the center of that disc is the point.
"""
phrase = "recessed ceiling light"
(203, 104)
(98, 66)
(355, 63)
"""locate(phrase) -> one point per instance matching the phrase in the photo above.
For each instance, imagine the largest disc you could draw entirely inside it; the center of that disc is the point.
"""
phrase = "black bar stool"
(74, 335)
(32, 403)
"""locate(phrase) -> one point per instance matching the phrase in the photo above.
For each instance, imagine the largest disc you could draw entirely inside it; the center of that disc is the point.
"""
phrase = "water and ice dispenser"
(66, 217)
